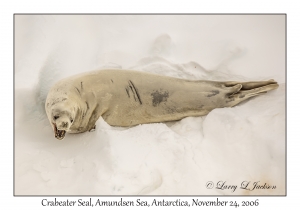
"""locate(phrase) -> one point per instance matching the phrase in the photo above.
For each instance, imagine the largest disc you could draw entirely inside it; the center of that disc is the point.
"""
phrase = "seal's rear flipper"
(256, 91)
(250, 89)
(250, 85)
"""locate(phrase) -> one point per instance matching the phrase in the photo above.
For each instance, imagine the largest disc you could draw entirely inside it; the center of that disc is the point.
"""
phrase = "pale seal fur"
(127, 98)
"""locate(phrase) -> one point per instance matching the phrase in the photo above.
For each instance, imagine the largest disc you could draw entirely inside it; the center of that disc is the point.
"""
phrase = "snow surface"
(232, 145)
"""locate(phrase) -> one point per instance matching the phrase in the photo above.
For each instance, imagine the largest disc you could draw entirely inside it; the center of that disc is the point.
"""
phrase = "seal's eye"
(55, 117)
(71, 120)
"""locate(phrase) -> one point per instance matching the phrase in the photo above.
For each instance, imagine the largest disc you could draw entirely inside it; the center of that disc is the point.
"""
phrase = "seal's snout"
(63, 125)
(58, 133)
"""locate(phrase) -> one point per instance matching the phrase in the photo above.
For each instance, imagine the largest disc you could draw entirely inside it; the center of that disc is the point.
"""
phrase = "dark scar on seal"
(57, 101)
(134, 91)
(230, 99)
(213, 93)
(201, 106)
(127, 91)
(87, 105)
(241, 96)
(63, 99)
(78, 90)
(81, 86)
(158, 97)
(112, 81)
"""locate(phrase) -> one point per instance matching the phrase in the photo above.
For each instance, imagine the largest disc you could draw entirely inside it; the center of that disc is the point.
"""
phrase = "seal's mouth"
(59, 134)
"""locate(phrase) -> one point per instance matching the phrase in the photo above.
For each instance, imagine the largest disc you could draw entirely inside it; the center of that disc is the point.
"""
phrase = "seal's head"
(61, 117)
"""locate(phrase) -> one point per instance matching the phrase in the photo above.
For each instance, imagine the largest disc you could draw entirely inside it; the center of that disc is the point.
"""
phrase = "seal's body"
(127, 98)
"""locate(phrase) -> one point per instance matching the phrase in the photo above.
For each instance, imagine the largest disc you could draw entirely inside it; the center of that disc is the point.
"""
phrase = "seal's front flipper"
(93, 129)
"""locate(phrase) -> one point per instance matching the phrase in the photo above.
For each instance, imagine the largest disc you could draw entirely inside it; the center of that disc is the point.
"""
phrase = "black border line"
(14, 187)
(174, 196)
(285, 105)
(150, 14)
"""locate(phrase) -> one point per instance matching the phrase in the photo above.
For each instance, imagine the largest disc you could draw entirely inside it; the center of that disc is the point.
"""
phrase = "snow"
(231, 145)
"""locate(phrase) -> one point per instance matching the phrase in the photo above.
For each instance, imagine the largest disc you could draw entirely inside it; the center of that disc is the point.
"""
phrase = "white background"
(7, 76)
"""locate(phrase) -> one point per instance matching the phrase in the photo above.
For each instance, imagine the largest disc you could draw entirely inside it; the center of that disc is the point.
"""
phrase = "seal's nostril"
(65, 124)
